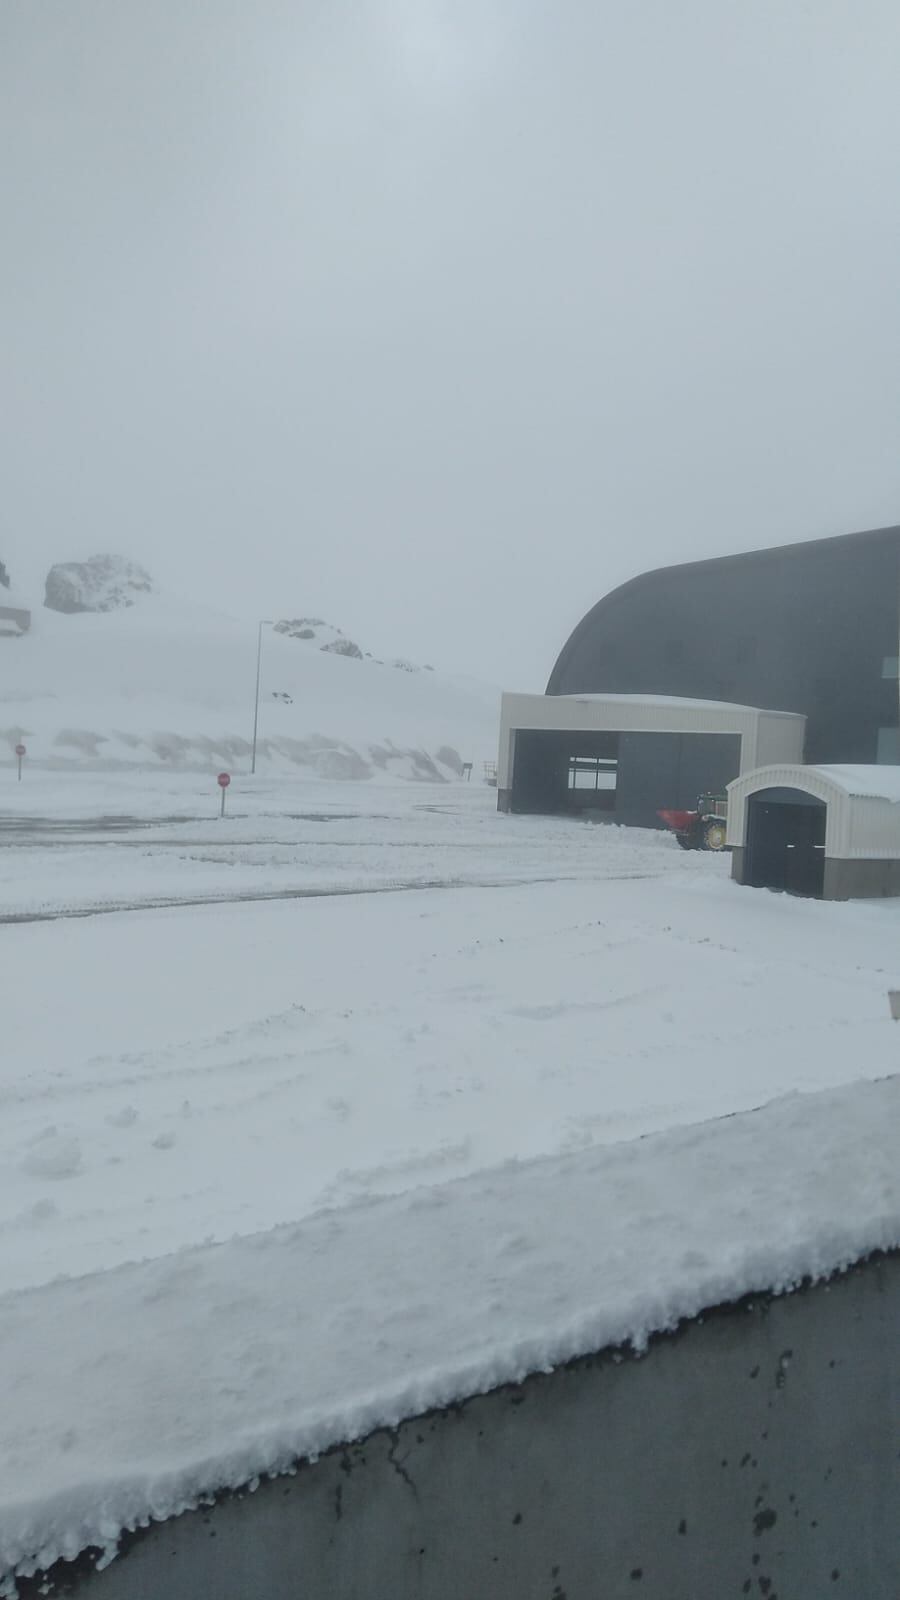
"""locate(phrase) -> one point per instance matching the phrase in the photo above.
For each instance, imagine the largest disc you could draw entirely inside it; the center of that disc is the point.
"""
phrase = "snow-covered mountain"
(163, 683)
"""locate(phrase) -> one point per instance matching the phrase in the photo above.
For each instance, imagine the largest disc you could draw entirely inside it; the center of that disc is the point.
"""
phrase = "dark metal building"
(811, 628)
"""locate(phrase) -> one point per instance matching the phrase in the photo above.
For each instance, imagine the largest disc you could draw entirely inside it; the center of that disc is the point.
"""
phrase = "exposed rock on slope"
(103, 583)
(312, 630)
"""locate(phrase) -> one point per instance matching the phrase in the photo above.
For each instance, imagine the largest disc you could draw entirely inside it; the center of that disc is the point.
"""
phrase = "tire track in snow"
(309, 892)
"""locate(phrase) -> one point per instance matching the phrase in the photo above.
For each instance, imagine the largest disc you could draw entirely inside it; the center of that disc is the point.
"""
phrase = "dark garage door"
(786, 842)
(621, 777)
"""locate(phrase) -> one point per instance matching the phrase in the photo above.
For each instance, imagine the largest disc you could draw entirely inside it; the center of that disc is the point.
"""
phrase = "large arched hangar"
(810, 626)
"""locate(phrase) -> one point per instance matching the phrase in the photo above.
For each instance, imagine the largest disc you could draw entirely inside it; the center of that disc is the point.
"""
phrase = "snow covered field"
(86, 842)
(190, 1073)
(166, 685)
(178, 1078)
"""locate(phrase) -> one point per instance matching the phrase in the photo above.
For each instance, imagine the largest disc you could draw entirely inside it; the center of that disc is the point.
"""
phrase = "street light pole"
(266, 623)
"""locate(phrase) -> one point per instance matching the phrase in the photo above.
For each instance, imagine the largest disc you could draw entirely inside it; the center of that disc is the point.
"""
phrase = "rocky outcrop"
(103, 583)
(344, 647)
(312, 630)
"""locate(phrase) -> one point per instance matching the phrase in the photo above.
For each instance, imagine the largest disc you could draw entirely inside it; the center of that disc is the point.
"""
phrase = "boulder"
(103, 583)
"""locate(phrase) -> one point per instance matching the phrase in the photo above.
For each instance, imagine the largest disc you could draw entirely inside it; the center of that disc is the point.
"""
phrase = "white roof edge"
(860, 781)
(682, 702)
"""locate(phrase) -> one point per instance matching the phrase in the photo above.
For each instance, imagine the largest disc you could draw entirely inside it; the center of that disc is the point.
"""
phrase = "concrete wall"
(755, 1452)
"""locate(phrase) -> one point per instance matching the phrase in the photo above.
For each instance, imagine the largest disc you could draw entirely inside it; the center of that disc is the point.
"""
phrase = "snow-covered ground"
(437, 1100)
(167, 684)
(193, 1073)
(92, 841)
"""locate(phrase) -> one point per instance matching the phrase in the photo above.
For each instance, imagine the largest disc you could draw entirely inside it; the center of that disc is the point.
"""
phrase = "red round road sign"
(20, 750)
(224, 780)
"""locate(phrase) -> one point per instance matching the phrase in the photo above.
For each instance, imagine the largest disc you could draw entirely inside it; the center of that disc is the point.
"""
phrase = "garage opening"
(618, 777)
(565, 771)
(786, 842)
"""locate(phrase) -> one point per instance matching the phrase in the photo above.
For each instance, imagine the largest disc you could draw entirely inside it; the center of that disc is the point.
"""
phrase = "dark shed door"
(786, 842)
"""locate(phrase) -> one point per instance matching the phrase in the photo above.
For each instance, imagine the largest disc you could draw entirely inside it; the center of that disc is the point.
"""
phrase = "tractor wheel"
(714, 835)
(687, 841)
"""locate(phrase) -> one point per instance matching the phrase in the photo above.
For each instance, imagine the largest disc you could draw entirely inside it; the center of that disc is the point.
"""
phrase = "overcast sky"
(440, 320)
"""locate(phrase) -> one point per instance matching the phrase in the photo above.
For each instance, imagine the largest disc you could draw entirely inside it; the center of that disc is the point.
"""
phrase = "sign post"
(20, 752)
(223, 781)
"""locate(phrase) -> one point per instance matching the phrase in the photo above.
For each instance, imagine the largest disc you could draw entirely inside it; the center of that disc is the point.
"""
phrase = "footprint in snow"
(53, 1156)
(124, 1118)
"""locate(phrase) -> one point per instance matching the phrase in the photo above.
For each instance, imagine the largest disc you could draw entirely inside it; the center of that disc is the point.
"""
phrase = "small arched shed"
(829, 832)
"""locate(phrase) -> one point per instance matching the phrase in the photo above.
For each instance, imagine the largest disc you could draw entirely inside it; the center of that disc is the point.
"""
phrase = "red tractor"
(703, 829)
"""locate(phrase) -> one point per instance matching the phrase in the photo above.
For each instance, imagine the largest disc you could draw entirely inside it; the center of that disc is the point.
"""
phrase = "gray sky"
(439, 320)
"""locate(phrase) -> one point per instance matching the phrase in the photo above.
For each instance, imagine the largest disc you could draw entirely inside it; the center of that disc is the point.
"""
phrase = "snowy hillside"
(162, 683)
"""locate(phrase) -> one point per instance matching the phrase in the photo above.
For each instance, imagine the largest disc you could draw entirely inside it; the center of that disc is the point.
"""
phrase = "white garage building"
(828, 831)
(622, 757)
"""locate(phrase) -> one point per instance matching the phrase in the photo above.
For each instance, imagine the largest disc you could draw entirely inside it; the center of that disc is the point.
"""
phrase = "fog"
(439, 320)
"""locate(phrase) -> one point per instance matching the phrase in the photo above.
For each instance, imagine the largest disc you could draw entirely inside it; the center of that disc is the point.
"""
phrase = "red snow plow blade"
(679, 821)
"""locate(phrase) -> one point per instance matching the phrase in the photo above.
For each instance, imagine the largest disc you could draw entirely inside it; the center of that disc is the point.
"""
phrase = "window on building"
(592, 772)
(888, 751)
(890, 667)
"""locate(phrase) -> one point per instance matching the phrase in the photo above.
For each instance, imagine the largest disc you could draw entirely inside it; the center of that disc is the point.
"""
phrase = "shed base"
(861, 880)
(844, 880)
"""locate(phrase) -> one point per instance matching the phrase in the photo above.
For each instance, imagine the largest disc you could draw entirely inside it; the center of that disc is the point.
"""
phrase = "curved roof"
(804, 550)
(854, 782)
(870, 783)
